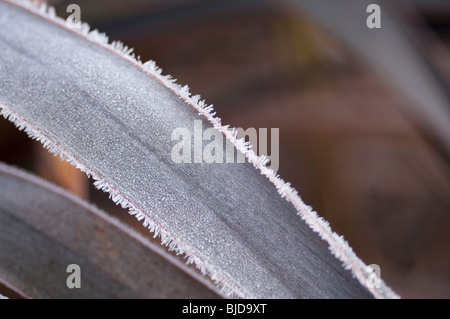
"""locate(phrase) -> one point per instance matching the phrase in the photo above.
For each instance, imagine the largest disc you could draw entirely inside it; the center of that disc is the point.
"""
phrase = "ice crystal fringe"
(226, 288)
(337, 245)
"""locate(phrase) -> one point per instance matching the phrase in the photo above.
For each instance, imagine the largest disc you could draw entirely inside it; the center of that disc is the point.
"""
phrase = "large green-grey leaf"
(43, 229)
(113, 117)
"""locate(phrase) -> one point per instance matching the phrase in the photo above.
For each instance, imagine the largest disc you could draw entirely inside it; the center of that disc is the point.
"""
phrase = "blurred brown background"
(346, 143)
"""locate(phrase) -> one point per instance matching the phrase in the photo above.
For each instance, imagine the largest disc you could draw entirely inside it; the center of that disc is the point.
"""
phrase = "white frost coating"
(3, 297)
(337, 245)
(225, 287)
